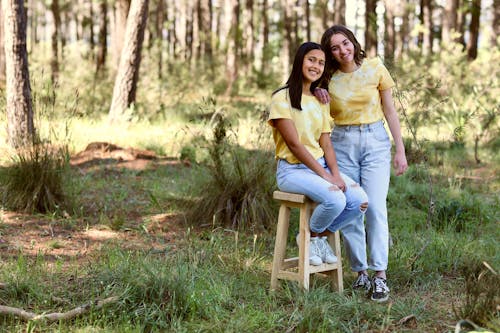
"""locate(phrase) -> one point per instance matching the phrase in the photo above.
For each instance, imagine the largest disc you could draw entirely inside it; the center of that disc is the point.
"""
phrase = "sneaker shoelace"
(325, 247)
(380, 285)
(315, 248)
(362, 280)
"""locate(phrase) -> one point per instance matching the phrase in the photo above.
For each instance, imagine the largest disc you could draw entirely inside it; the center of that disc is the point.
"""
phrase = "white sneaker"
(326, 251)
(314, 251)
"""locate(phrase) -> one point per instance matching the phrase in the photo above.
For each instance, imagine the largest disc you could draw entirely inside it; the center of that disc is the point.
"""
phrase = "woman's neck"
(349, 68)
(306, 88)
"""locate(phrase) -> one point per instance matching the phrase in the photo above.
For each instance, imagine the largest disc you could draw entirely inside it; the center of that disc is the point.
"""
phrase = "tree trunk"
(339, 12)
(120, 22)
(266, 54)
(402, 35)
(449, 20)
(128, 69)
(33, 22)
(20, 127)
(295, 25)
(427, 36)
(91, 30)
(205, 29)
(461, 19)
(54, 62)
(159, 21)
(288, 38)
(321, 10)
(496, 23)
(2, 49)
(474, 30)
(249, 37)
(390, 31)
(189, 32)
(308, 20)
(102, 49)
(371, 28)
(233, 48)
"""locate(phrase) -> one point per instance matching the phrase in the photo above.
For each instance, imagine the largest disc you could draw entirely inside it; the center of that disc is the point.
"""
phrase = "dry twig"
(56, 316)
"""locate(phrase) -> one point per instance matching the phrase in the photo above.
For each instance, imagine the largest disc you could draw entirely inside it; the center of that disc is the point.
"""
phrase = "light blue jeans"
(364, 154)
(335, 208)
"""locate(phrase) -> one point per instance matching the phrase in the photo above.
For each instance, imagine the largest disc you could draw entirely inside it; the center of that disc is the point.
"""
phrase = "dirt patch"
(58, 238)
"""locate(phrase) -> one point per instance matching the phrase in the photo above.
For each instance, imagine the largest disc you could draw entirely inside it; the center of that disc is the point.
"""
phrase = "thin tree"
(390, 30)
(233, 48)
(266, 49)
(403, 33)
(159, 21)
(121, 10)
(288, 38)
(339, 12)
(474, 30)
(449, 20)
(128, 70)
(321, 10)
(496, 23)
(204, 10)
(461, 20)
(102, 48)
(20, 127)
(249, 36)
(308, 20)
(2, 52)
(54, 62)
(371, 28)
(426, 36)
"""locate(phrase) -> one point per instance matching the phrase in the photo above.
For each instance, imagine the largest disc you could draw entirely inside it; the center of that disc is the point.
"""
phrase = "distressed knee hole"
(334, 188)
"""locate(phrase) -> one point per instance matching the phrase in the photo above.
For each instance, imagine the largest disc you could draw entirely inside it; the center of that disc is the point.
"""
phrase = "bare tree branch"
(56, 316)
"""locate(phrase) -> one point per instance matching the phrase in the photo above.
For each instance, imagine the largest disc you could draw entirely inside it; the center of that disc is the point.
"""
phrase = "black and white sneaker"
(362, 283)
(380, 292)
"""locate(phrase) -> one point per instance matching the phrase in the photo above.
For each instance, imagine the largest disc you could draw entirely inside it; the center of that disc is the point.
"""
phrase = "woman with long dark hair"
(306, 159)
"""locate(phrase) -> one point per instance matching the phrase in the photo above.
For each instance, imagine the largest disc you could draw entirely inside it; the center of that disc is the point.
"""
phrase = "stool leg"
(280, 243)
(304, 240)
(337, 275)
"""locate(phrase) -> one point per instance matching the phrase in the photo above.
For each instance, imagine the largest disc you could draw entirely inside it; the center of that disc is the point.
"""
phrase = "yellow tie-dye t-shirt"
(311, 122)
(355, 96)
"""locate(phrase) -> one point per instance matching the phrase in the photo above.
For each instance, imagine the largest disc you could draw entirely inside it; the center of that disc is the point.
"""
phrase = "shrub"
(238, 191)
(34, 181)
(480, 296)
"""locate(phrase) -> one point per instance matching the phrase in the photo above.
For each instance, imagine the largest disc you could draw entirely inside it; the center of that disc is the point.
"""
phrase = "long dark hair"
(294, 82)
(331, 65)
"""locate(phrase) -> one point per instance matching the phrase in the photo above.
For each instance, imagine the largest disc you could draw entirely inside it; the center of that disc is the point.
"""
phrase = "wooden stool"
(286, 268)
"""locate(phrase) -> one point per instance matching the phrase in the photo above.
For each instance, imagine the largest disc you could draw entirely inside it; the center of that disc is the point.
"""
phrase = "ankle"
(380, 274)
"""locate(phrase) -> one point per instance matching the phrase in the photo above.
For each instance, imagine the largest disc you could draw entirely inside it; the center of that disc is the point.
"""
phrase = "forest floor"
(51, 237)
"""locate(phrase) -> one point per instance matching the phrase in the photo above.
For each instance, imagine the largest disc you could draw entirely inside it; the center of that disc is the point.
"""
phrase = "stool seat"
(298, 268)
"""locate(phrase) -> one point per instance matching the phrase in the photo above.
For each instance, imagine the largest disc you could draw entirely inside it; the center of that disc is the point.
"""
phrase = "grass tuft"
(34, 181)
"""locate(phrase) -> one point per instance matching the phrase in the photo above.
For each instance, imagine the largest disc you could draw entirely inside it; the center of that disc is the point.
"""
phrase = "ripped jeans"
(335, 208)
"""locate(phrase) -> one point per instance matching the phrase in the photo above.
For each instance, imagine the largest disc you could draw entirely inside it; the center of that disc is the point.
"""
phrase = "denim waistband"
(361, 127)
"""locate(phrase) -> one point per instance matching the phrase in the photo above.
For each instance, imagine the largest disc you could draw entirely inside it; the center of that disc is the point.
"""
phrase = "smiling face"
(342, 49)
(313, 66)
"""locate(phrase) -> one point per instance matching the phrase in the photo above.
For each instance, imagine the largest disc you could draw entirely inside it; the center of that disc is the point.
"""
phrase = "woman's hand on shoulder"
(322, 95)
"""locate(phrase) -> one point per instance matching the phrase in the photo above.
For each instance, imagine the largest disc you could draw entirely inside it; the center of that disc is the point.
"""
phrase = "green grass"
(200, 276)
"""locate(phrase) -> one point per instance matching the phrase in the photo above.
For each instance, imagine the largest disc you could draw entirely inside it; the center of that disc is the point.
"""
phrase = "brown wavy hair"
(331, 65)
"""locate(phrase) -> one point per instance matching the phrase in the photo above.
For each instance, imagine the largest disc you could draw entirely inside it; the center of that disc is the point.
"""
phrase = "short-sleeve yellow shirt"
(355, 97)
(311, 122)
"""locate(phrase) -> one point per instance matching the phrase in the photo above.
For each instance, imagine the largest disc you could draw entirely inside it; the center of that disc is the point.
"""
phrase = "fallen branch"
(56, 316)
